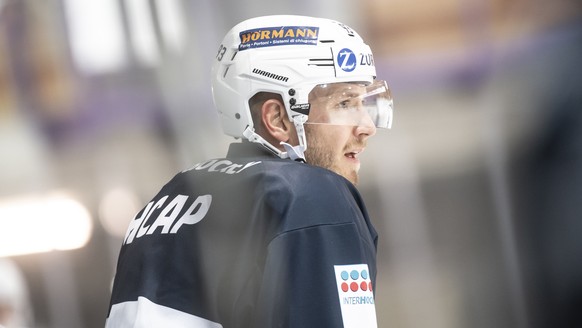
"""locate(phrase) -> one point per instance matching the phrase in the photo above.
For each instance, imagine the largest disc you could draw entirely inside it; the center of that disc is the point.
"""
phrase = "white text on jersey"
(223, 166)
(167, 217)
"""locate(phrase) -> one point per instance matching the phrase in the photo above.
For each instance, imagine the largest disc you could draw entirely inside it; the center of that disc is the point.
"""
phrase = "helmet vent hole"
(237, 116)
(327, 41)
(225, 71)
(234, 55)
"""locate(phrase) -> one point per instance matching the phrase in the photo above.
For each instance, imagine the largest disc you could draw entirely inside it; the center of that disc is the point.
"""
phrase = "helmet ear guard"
(289, 56)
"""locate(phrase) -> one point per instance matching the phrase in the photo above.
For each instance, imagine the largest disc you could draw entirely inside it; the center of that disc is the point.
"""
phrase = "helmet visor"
(351, 103)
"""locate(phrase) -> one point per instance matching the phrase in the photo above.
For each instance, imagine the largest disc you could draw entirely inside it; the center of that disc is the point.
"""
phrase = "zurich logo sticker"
(346, 60)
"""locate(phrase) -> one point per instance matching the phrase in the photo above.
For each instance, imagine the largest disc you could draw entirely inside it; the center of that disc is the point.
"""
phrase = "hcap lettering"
(170, 217)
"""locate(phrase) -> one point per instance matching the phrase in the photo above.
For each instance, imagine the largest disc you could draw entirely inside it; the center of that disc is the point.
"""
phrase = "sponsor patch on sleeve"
(278, 36)
(356, 296)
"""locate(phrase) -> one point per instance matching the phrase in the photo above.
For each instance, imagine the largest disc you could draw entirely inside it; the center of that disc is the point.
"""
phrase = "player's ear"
(276, 121)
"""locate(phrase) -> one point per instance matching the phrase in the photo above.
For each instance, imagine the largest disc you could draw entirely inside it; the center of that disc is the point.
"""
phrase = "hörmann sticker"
(278, 36)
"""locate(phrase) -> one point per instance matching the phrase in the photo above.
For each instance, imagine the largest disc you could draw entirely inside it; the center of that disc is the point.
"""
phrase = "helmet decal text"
(366, 59)
(278, 36)
(346, 60)
(270, 75)
(347, 28)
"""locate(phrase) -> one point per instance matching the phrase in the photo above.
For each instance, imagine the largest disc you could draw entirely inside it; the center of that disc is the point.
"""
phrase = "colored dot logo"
(345, 275)
(350, 281)
(364, 286)
(345, 287)
(364, 274)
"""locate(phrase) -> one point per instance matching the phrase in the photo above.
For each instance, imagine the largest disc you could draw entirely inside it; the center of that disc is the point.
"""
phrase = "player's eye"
(344, 104)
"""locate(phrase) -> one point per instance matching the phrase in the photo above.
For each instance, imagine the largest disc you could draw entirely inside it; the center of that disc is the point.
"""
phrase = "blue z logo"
(346, 60)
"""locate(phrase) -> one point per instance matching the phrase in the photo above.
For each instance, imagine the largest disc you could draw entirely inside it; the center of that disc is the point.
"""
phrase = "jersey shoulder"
(301, 195)
(310, 195)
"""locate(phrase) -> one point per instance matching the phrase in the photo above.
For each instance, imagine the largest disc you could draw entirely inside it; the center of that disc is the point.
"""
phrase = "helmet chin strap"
(295, 153)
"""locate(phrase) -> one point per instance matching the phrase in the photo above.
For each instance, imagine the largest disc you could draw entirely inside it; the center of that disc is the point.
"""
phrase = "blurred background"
(476, 191)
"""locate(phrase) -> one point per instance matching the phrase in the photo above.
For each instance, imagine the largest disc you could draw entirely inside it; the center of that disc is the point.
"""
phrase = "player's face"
(337, 129)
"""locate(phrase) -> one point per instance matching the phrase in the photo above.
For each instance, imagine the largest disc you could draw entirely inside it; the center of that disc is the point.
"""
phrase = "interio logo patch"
(356, 296)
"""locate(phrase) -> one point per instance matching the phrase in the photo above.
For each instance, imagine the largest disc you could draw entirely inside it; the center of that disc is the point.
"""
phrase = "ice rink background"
(476, 192)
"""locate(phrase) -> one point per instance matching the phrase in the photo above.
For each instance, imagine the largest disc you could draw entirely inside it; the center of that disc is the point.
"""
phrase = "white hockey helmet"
(290, 56)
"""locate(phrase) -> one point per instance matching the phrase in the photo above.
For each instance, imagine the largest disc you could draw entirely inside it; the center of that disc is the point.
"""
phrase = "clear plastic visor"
(351, 103)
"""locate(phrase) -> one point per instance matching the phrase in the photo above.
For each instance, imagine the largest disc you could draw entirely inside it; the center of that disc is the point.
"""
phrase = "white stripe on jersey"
(145, 313)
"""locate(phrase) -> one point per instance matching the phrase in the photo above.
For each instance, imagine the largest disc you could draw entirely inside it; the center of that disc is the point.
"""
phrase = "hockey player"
(275, 234)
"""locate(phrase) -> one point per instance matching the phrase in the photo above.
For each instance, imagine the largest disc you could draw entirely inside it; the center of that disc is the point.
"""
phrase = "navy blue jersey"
(250, 240)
